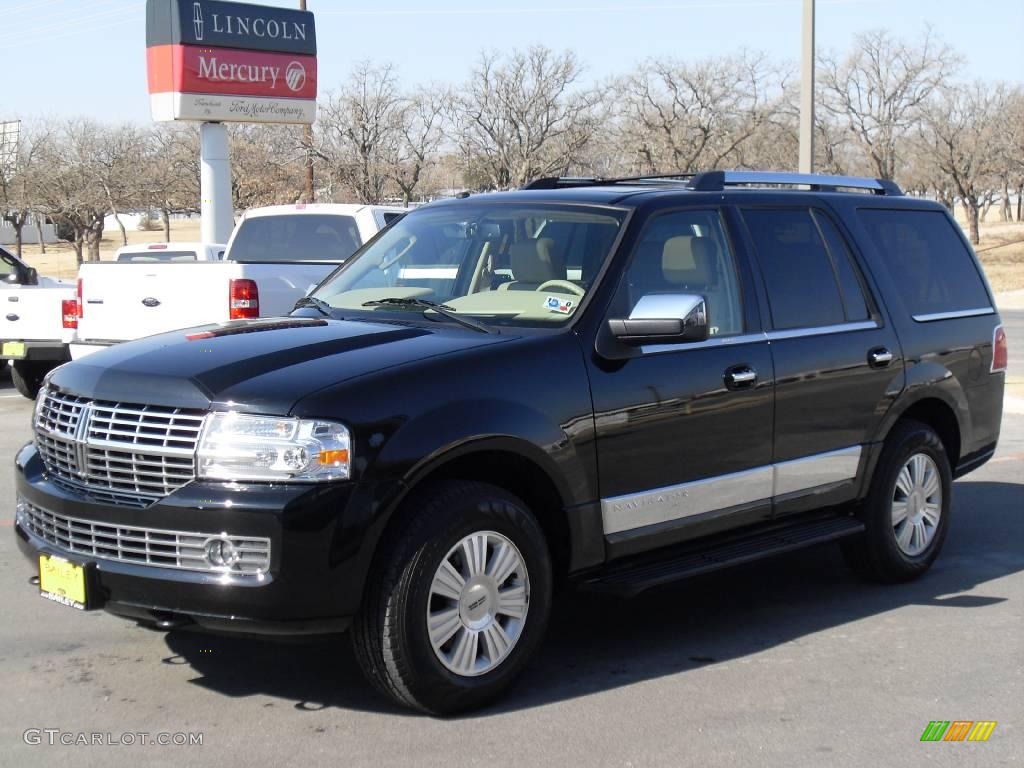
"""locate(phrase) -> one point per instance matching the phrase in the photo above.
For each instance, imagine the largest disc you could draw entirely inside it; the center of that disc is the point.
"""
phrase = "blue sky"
(65, 57)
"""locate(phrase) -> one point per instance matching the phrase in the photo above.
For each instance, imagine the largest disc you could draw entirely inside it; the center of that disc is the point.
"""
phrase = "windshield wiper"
(311, 301)
(425, 305)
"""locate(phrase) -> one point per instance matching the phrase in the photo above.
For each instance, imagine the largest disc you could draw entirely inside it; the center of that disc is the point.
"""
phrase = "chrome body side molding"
(677, 502)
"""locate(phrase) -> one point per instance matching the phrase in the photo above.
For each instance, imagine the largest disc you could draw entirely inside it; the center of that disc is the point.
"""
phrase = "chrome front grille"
(142, 546)
(121, 453)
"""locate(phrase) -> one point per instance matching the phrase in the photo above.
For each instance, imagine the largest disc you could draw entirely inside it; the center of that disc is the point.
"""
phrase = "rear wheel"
(908, 507)
(458, 600)
(27, 376)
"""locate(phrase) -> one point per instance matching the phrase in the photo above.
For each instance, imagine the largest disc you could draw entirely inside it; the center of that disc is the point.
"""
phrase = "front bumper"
(317, 563)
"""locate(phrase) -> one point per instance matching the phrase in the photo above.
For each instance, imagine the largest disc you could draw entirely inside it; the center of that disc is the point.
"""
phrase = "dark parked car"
(606, 384)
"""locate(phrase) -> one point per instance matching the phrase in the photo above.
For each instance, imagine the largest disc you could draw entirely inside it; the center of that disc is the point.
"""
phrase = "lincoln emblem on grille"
(79, 453)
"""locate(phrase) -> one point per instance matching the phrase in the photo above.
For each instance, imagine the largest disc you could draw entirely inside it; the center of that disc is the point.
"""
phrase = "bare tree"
(959, 133)
(170, 171)
(420, 127)
(686, 117)
(267, 165)
(112, 157)
(362, 127)
(67, 190)
(19, 182)
(521, 117)
(880, 88)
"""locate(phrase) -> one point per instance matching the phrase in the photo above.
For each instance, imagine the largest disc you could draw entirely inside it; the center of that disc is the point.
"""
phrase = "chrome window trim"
(933, 316)
(749, 338)
(696, 497)
(822, 330)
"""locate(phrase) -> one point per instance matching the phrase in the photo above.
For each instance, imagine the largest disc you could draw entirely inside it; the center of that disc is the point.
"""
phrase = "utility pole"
(807, 91)
(307, 141)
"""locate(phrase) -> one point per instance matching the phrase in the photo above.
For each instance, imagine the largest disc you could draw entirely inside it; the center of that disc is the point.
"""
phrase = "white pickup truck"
(36, 322)
(275, 256)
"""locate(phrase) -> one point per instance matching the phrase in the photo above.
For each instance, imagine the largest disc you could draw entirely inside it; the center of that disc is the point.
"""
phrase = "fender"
(925, 381)
(443, 434)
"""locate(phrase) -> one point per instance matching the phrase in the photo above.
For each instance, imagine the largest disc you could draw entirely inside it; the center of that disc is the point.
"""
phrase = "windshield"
(296, 237)
(506, 264)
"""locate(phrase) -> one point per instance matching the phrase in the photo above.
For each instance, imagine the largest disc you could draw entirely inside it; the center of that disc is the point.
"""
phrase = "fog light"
(221, 553)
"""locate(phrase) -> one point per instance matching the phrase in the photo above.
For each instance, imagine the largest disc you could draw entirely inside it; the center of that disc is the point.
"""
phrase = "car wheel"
(457, 600)
(28, 377)
(907, 511)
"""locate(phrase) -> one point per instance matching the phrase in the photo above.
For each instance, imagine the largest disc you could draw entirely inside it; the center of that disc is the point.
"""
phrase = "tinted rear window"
(151, 256)
(299, 237)
(927, 258)
(798, 273)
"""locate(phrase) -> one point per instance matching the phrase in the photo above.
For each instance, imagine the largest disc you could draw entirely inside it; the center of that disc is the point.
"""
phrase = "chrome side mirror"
(667, 318)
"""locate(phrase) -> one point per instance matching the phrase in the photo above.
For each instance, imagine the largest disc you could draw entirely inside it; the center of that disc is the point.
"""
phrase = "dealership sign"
(216, 61)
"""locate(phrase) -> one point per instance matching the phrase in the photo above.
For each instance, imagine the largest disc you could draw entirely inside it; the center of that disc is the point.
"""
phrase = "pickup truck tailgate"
(127, 301)
(33, 312)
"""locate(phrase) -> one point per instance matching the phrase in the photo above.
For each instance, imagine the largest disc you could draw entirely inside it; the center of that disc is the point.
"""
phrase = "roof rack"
(716, 181)
(567, 182)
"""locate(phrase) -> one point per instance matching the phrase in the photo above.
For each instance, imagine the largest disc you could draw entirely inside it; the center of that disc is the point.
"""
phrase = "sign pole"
(217, 215)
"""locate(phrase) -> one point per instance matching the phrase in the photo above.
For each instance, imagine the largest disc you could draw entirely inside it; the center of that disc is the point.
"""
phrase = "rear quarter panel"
(948, 360)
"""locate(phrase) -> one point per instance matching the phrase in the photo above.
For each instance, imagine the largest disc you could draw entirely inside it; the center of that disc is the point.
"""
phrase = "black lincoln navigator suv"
(612, 384)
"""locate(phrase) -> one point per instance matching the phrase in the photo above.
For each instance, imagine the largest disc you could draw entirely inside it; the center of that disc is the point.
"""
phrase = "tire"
(889, 551)
(390, 633)
(28, 377)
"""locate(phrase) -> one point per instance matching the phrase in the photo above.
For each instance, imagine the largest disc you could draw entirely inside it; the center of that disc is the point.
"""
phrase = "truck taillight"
(69, 313)
(1000, 353)
(243, 299)
(78, 302)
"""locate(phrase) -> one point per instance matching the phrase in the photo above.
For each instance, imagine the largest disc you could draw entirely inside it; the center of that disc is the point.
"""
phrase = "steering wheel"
(562, 286)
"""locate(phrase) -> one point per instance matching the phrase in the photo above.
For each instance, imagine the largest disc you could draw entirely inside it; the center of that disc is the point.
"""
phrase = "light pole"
(807, 91)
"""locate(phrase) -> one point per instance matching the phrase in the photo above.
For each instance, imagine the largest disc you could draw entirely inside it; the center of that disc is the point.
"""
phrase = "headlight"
(235, 446)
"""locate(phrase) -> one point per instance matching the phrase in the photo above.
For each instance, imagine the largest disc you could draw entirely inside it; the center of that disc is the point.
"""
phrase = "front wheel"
(907, 511)
(458, 599)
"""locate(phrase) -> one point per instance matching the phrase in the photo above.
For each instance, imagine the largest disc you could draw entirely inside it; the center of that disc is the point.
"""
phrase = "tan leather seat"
(532, 265)
(688, 261)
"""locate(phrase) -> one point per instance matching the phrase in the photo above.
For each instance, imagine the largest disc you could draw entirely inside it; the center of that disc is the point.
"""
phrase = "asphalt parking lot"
(790, 662)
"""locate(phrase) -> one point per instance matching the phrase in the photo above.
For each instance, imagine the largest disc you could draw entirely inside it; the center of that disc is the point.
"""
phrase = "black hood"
(260, 366)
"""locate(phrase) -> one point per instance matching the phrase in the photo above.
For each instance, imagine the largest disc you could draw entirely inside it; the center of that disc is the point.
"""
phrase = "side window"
(389, 217)
(687, 252)
(798, 273)
(928, 260)
(7, 268)
(849, 282)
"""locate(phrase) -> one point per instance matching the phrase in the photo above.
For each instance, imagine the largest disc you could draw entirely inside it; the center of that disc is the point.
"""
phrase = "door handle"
(879, 357)
(740, 377)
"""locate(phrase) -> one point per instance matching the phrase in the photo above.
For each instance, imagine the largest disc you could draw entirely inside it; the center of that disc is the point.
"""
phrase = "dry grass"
(59, 259)
(1002, 254)
(1001, 251)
